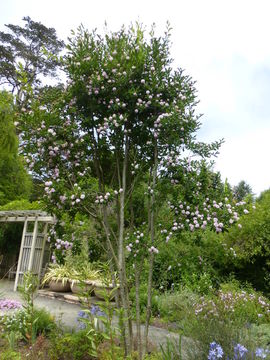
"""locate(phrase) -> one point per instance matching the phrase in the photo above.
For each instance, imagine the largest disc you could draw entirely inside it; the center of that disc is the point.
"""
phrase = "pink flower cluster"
(8, 304)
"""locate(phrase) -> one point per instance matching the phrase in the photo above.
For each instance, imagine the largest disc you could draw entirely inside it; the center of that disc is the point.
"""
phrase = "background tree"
(15, 182)
(26, 54)
(242, 190)
(251, 243)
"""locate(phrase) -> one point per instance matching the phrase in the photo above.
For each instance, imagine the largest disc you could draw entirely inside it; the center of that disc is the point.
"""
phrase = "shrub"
(226, 318)
(175, 306)
(197, 260)
(17, 322)
(10, 355)
(72, 346)
(241, 307)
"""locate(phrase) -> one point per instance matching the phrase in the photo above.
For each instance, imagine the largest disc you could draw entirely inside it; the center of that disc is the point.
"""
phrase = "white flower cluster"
(153, 250)
(100, 199)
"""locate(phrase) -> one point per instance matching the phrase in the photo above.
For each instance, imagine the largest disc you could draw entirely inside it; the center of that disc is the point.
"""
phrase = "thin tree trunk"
(151, 257)
(138, 269)
(121, 256)
(118, 261)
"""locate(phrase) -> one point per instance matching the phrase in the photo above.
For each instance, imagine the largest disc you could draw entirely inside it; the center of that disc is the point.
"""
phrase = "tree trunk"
(151, 257)
(121, 255)
(138, 269)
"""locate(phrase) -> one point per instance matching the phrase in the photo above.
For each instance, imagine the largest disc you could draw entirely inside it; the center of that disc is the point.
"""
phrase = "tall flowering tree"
(124, 119)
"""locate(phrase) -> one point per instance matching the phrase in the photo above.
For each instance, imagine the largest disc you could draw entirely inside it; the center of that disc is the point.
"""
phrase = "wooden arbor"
(33, 243)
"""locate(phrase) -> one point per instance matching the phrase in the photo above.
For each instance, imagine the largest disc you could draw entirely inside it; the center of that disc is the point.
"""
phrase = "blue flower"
(82, 315)
(215, 352)
(95, 310)
(240, 352)
(261, 353)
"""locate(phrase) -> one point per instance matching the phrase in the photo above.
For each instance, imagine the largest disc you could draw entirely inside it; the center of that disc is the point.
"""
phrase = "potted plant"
(57, 277)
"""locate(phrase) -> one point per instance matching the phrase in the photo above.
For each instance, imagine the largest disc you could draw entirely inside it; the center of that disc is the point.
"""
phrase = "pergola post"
(20, 255)
(43, 249)
(33, 245)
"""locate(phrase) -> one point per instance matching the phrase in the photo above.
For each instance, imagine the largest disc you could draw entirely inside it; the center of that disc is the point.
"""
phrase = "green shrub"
(175, 306)
(22, 204)
(10, 355)
(197, 260)
(17, 322)
(261, 335)
(71, 346)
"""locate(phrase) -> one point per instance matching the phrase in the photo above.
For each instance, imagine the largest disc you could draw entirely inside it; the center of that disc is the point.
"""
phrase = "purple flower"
(7, 304)
(240, 352)
(261, 353)
(95, 310)
(215, 351)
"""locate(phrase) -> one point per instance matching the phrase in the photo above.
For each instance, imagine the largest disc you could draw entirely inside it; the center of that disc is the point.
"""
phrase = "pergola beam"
(49, 219)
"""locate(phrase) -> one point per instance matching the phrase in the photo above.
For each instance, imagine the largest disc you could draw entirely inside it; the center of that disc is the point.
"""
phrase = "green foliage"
(18, 323)
(239, 306)
(197, 260)
(10, 238)
(143, 300)
(229, 317)
(172, 351)
(204, 331)
(10, 355)
(175, 306)
(11, 233)
(21, 205)
(242, 190)
(73, 230)
(57, 272)
(27, 291)
(28, 322)
(73, 346)
(14, 180)
(251, 244)
(261, 335)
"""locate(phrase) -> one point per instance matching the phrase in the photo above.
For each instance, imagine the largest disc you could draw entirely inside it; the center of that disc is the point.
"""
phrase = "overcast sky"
(224, 45)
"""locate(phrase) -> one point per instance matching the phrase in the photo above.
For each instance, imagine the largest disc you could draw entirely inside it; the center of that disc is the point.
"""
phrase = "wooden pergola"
(33, 243)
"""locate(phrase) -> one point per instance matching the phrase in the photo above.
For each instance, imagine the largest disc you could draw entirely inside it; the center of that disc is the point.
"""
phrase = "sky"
(222, 44)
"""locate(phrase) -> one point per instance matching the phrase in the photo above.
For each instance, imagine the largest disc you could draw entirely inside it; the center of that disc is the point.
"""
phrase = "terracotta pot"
(78, 288)
(59, 286)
